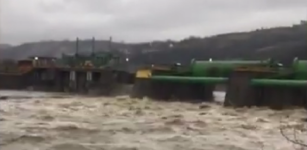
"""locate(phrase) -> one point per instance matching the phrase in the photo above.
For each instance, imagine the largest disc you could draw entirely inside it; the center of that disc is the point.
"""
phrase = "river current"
(53, 121)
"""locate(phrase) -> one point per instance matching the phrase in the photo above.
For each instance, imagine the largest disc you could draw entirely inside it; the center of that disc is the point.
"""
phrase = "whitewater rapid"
(52, 121)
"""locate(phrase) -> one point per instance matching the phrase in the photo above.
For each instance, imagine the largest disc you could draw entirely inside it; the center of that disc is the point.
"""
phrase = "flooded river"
(41, 121)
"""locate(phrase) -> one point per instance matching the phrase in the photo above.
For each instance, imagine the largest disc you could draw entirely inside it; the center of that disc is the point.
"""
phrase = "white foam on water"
(121, 123)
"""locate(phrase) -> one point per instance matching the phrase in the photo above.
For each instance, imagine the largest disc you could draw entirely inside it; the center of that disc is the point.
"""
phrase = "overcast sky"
(140, 20)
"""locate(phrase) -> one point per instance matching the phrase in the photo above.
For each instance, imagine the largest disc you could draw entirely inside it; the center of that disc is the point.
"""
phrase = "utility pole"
(93, 46)
(77, 46)
(110, 43)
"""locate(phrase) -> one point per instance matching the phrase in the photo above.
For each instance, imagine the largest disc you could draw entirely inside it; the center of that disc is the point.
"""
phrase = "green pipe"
(207, 80)
(300, 69)
(282, 83)
(218, 80)
(220, 67)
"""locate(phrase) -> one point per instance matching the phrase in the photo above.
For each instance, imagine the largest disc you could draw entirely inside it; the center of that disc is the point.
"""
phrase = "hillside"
(283, 43)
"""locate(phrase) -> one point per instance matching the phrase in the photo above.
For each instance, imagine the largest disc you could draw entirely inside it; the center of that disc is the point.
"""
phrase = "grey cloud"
(141, 20)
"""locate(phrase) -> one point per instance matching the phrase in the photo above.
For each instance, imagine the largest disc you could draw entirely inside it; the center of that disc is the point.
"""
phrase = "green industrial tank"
(218, 68)
(300, 69)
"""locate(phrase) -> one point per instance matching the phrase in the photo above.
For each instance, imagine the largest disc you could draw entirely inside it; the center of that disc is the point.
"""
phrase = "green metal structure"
(96, 60)
(222, 68)
(99, 59)
(243, 80)
(100, 71)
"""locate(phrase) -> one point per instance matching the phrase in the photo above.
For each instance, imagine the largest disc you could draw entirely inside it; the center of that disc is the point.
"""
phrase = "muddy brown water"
(42, 121)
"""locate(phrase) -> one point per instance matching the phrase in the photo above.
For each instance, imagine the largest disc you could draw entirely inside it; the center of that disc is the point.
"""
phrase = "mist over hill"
(283, 43)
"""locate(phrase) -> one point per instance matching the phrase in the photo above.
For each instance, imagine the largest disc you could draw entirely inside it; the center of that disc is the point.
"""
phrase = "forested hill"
(283, 43)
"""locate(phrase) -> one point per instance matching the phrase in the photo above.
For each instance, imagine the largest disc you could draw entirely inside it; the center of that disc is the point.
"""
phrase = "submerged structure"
(248, 83)
(101, 72)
